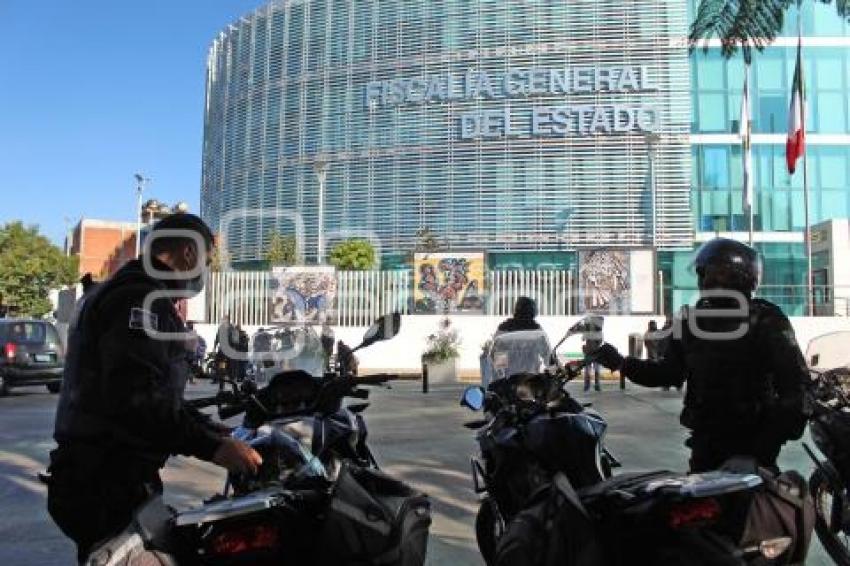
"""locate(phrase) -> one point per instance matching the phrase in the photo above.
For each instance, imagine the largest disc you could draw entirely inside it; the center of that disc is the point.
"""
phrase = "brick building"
(103, 246)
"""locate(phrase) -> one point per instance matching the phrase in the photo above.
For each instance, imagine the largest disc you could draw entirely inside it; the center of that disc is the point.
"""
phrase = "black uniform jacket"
(745, 373)
(122, 397)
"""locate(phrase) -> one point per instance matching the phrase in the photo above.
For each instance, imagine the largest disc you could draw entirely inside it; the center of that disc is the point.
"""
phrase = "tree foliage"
(218, 258)
(30, 266)
(281, 250)
(745, 24)
(353, 255)
(426, 241)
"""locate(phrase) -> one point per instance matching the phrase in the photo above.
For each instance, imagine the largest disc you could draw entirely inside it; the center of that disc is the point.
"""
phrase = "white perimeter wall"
(404, 351)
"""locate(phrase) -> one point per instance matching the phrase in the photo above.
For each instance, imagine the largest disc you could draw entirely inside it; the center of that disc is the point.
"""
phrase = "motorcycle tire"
(489, 528)
(833, 537)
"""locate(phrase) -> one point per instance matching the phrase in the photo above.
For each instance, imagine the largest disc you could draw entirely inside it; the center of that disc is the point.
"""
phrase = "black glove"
(606, 355)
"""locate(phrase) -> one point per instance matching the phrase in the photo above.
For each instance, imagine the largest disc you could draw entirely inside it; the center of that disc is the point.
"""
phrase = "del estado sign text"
(550, 120)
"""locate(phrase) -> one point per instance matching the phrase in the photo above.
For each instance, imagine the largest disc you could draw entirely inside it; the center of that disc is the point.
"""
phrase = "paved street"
(418, 437)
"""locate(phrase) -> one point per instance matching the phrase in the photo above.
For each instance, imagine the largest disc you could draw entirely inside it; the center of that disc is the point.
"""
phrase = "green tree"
(426, 241)
(218, 257)
(746, 24)
(30, 266)
(353, 255)
(281, 250)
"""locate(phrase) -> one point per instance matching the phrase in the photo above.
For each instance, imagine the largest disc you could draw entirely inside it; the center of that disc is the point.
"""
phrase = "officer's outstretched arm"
(140, 381)
(669, 371)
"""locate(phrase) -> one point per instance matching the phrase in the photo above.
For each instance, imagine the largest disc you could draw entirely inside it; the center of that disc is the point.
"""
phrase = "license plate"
(44, 357)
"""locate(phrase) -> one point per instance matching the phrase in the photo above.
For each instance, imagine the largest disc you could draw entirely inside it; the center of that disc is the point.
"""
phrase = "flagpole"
(807, 234)
(748, 181)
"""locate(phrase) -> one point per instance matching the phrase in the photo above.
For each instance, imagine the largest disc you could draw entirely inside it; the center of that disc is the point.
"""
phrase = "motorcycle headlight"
(525, 392)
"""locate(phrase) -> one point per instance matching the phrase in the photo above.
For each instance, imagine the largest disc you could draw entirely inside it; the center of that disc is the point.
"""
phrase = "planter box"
(442, 372)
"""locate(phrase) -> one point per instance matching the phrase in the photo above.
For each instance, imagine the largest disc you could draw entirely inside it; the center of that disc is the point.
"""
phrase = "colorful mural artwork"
(604, 281)
(305, 294)
(448, 283)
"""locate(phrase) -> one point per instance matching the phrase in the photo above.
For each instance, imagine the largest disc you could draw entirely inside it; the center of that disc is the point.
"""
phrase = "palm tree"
(745, 23)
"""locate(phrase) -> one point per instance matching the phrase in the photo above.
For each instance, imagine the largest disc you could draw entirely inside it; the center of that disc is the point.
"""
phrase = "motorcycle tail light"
(11, 350)
(245, 539)
(693, 513)
(774, 548)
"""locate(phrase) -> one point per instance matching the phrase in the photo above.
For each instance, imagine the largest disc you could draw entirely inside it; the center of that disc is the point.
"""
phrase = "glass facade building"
(498, 125)
(716, 174)
(520, 127)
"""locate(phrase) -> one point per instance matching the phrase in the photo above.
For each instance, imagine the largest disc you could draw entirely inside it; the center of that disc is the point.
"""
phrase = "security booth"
(831, 267)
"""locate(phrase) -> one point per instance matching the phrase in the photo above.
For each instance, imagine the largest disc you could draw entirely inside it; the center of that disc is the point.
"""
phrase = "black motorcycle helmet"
(728, 264)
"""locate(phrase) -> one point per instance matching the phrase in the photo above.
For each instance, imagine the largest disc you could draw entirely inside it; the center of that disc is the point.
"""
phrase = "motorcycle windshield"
(829, 351)
(525, 351)
(303, 352)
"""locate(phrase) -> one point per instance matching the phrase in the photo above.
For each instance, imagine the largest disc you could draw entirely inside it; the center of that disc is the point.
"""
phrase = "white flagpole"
(810, 299)
(745, 127)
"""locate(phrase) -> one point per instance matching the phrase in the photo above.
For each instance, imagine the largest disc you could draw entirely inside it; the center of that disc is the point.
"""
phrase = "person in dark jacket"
(525, 310)
(744, 370)
(121, 412)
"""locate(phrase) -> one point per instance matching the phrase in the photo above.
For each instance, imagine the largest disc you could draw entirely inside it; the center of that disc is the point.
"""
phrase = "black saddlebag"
(374, 519)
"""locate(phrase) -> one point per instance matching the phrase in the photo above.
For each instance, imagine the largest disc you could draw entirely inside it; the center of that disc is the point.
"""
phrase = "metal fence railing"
(243, 295)
(363, 296)
(552, 291)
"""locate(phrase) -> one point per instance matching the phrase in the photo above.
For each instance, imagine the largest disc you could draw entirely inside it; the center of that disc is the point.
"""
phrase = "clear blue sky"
(92, 91)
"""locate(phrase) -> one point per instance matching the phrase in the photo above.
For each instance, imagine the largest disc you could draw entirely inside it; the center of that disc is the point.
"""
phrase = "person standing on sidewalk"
(592, 342)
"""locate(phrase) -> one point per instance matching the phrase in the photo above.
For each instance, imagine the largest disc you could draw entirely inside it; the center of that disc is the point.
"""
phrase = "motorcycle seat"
(624, 488)
(633, 488)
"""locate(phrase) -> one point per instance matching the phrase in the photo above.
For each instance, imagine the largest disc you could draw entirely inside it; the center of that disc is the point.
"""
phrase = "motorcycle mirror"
(473, 398)
(382, 329)
(590, 324)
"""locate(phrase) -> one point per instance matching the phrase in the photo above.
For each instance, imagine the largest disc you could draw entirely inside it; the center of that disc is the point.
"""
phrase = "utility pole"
(141, 181)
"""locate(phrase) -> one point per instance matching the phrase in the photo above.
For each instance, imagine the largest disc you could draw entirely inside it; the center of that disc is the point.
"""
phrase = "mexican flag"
(796, 142)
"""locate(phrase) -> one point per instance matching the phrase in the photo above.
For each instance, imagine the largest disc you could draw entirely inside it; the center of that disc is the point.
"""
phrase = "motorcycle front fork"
(479, 477)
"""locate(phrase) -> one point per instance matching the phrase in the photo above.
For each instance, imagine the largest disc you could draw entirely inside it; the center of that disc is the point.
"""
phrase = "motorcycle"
(829, 426)
(516, 458)
(318, 498)
(540, 446)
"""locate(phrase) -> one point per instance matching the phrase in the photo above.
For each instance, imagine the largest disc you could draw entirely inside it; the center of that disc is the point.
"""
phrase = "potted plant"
(441, 353)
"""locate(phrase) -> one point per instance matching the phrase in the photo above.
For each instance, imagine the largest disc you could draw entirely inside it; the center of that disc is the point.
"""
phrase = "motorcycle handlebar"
(229, 406)
(227, 411)
(221, 398)
(201, 402)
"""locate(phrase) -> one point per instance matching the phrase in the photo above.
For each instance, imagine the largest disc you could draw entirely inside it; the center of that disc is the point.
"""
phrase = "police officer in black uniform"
(744, 370)
(121, 412)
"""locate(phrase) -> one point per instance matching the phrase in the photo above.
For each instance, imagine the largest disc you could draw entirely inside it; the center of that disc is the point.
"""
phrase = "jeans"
(595, 367)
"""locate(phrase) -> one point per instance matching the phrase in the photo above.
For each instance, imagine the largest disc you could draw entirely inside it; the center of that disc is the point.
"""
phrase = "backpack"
(375, 520)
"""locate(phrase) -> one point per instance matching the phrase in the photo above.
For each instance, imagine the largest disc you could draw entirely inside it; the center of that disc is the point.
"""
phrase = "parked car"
(31, 353)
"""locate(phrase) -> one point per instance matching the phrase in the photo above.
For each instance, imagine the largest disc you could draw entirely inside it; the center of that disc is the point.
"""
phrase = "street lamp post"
(321, 169)
(652, 139)
(141, 181)
(68, 235)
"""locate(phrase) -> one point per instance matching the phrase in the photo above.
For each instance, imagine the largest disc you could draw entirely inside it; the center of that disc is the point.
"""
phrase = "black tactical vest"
(727, 387)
